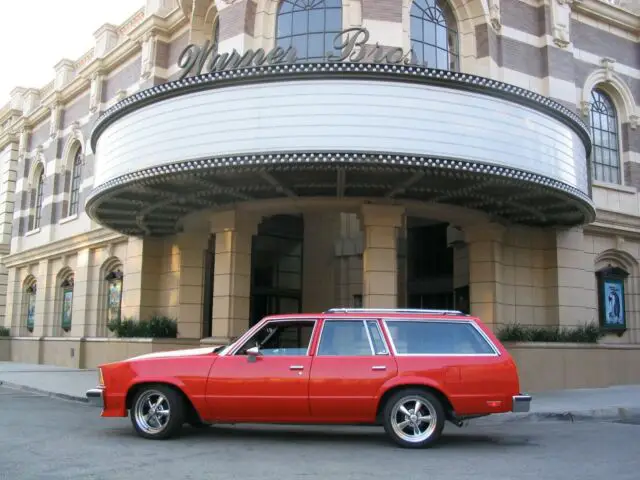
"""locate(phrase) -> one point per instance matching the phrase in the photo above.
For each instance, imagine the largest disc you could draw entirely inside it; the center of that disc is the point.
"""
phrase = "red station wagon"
(408, 370)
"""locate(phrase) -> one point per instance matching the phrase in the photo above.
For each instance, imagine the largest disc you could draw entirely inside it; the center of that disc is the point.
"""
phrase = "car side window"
(344, 338)
(417, 337)
(281, 338)
(377, 340)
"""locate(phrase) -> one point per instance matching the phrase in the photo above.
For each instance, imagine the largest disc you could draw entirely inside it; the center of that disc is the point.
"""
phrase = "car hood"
(190, 352)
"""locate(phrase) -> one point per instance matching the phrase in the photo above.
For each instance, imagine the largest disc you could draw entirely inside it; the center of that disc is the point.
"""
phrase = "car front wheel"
(414, 418)
(157, 412)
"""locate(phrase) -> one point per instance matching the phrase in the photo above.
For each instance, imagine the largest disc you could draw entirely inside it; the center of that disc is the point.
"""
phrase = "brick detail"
(385, 10)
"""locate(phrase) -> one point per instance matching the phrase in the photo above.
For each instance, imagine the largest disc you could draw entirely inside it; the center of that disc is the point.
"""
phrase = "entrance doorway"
(435, 274)
(276, 267)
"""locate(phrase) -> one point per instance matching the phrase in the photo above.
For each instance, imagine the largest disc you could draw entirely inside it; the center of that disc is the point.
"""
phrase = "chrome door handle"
(296, 367)
(378, 367)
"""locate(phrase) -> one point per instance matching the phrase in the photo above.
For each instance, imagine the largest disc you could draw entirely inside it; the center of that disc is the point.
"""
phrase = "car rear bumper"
(521, 403)
(96, 397)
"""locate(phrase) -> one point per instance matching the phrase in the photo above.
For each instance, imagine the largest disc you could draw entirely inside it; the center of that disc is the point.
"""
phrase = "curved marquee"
(350, 130)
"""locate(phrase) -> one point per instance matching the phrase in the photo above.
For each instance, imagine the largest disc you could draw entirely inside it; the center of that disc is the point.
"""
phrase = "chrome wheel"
(414, 419)
(152, 412)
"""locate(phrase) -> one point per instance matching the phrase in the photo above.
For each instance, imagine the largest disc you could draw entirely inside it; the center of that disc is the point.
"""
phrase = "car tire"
(410, 429)
(157, 412)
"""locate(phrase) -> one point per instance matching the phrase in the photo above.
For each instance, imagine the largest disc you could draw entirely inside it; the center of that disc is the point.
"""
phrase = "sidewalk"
(613, 404)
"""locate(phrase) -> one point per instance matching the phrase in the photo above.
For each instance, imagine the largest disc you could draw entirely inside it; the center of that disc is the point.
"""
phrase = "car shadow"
(452, 438)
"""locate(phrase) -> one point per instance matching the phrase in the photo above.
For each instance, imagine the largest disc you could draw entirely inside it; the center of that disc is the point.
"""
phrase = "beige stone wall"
(544, 367)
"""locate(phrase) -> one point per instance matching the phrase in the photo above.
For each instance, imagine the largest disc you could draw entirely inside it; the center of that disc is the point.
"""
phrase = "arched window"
(76, 179)
(310, 26)
(36, 199)
(434, 35)
(30, 303)
(66, 301)
(605, 159)
(114, 295)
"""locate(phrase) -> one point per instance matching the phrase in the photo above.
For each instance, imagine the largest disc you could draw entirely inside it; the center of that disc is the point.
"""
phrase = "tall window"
(36, 199)
(30, 304)
(604, 128)
(310, 26)
(76, 178)
(66, 290)
(434, 35)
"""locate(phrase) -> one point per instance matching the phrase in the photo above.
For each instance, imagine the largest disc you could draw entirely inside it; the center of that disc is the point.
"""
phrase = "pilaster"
(380, 224)
(81, 295)
(234, 233)
(191, 246)
(45, 295)
(319, 263)
(484, 244)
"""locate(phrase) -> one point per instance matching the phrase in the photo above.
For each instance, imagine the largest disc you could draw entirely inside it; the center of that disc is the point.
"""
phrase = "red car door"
(270, 387)
(351, 364)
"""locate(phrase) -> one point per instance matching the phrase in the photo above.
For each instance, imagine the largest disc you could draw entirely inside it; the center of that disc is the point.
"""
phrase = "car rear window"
(416, 337)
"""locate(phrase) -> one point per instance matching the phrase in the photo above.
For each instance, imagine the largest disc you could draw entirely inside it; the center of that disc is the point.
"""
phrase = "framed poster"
(611, 299)
(31, 308)
(67, 306)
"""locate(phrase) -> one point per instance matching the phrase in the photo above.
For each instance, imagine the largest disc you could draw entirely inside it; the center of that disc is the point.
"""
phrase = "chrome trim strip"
(366, 329)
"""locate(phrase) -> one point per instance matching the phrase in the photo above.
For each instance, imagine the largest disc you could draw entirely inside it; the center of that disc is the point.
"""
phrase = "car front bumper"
(521, 403)
(96, 397)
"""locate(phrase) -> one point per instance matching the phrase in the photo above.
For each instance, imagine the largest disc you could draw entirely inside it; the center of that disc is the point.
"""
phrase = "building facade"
(217, 161)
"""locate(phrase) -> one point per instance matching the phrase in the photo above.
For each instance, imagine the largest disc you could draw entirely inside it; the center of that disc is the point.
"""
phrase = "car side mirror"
(253, 353)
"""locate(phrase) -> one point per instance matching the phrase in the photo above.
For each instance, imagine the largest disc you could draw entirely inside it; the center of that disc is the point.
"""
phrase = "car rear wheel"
(157, 412)
(414, 418)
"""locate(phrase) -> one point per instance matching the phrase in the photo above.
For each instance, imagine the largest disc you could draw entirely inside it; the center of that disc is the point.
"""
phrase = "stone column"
(319, 262)
(380, 224)
(14, 297)
(571, 297)
(234, 233)
(141, 271)
(79, 313)
(45, 294)
(192, 246)
(484, 244)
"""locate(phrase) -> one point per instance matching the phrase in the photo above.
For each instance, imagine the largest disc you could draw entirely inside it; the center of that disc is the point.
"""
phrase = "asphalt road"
(44, 438)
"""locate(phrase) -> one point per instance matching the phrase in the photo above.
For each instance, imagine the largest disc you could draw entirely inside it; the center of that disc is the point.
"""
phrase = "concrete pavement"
(48, 439)
(613, 404)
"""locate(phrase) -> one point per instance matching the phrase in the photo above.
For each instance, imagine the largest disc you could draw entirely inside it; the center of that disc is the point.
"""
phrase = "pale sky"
(37, 34)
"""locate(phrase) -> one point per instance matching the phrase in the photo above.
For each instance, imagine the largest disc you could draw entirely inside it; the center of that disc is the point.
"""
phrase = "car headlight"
(100, 378)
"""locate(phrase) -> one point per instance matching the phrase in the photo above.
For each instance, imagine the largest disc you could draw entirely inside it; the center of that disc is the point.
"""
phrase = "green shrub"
(5, 332)
(157, 326)
(588, 333)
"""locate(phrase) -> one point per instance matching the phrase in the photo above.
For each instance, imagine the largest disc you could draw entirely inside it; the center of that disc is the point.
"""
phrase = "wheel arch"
(438, 392)
(192, 411)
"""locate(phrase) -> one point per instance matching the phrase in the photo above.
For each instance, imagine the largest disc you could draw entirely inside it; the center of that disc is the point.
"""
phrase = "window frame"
(302, 59)
(76, 174)
(364, 321)
(38, 199)
(232, 350)
(473, 324)
(453, 51)
(607, 99)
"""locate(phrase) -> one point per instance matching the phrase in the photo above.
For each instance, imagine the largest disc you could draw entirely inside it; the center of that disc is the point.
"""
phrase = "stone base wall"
(555, 366)
(542, 366)
(83, 352)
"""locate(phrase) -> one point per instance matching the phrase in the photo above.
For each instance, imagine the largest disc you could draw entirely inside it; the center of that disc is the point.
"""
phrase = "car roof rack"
(394, 310)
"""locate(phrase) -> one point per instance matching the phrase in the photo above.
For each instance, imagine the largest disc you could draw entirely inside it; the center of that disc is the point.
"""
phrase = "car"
(408, 370)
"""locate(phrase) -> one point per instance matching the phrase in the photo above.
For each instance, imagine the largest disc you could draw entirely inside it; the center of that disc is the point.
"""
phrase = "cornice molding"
(154, 25)
(66, 246)
(610, 14)
(609, 221)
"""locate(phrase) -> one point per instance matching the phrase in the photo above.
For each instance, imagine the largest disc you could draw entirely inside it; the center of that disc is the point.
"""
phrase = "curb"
(609, 415)
(62, 396)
